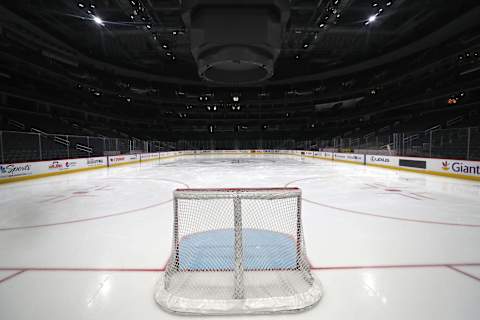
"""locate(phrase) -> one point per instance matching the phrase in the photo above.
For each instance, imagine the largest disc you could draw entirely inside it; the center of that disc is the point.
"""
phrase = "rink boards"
(443, 167)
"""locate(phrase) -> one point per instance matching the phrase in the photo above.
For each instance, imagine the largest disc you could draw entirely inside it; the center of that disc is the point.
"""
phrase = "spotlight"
(372, 18)
(98, 20)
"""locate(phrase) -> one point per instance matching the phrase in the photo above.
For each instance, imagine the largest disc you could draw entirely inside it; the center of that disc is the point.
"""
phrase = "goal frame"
(238, 304)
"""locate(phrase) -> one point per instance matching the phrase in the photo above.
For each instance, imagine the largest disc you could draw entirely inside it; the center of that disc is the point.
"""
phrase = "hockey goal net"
(237, 251)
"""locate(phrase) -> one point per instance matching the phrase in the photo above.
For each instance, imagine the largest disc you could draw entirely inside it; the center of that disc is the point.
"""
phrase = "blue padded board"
(214, 250)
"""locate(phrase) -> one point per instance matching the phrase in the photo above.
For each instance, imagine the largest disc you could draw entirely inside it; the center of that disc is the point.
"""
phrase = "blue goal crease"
(215, 250)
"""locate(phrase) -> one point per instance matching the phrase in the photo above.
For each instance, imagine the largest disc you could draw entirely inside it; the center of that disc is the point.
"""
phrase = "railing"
(33, 146)
(461, 143)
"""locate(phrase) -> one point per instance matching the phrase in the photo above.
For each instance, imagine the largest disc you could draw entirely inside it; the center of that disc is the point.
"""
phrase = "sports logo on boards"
(70, 164)
(55, 165)
(15, 170)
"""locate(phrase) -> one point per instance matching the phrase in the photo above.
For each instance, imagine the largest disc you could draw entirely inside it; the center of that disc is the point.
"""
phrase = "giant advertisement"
(455, 167)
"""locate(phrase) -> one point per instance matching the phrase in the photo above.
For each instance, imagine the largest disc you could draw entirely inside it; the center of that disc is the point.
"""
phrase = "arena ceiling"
(149, 39)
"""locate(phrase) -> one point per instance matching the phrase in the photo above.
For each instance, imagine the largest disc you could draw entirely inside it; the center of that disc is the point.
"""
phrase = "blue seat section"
(214, 250)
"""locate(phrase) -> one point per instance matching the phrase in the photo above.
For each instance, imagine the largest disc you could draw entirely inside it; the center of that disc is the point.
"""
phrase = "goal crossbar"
(237, 250)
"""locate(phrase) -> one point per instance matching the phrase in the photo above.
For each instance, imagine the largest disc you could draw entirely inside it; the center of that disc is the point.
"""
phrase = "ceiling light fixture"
(98, 20)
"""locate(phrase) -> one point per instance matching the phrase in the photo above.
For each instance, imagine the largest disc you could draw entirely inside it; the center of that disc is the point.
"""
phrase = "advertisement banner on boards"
(455, 167)
(382, 160)
(351, 157)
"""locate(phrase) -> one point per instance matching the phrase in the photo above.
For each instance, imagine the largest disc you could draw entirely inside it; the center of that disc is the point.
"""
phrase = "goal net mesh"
(237, 251)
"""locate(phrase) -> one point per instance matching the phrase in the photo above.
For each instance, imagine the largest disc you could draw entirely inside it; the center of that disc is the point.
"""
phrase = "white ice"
(385, 244)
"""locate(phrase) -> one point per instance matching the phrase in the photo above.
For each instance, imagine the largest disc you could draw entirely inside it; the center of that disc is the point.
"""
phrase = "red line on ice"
(86, 219)
(23, 269)
(465, 273)
(393, 218)
(12, 275)
(398, 266)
